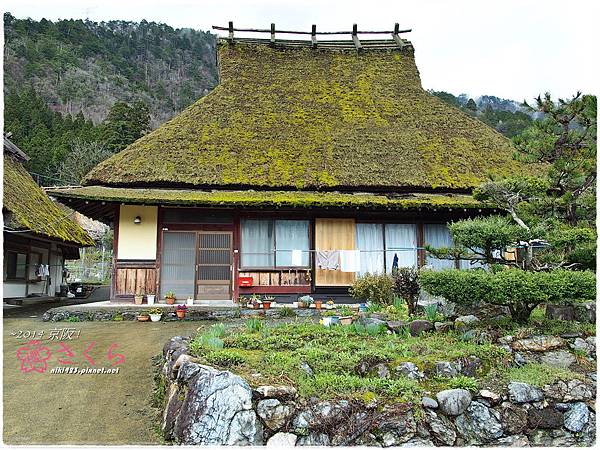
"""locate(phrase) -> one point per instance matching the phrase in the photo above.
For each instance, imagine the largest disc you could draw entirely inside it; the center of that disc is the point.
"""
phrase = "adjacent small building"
(38, 233)
(311, 163)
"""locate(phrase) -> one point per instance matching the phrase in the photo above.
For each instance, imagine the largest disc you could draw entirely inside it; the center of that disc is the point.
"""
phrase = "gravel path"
(46, 408)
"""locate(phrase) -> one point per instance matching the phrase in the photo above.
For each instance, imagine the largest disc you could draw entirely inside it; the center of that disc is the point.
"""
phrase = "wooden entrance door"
(214, 267)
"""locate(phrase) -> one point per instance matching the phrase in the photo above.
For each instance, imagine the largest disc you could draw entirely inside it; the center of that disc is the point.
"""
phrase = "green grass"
(540, 374)
(335, 354)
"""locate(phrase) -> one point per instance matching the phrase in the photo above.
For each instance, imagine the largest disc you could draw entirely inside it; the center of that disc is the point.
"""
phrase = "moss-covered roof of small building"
(27, 208)
(279, 199)
(314, 119)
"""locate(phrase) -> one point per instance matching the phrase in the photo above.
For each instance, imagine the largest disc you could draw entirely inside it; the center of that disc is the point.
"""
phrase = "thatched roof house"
(302, 129)
(37, 231)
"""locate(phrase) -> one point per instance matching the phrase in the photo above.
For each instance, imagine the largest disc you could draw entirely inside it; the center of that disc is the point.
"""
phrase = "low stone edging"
(124, 313)
(204, 405)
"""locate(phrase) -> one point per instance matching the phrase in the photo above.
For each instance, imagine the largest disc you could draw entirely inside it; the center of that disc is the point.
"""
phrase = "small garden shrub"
(286, 311)
(406, 285)
(521, 291)
(225, 358)
(463, 382)
(74, 319)
(375, 288)
(254, 325)
(431, 312)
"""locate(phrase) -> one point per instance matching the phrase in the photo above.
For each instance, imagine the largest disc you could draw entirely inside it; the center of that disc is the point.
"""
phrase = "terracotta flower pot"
(346, 320)
(170, 300)
(318, 304)
(180, 314)
(143, 318)
(138, 299)
(266, 305)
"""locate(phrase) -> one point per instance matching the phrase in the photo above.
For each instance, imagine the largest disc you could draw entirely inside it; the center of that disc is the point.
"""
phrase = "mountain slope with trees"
(84, 66)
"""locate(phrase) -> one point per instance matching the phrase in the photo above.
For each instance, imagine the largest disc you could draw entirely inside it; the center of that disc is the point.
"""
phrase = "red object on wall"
(246, 281)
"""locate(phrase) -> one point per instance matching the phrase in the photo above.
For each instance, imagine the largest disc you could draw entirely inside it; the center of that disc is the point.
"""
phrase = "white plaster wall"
(137, 241)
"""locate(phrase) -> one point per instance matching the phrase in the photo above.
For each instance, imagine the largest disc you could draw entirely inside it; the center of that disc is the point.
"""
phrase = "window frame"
(274, 267)
(16, 278)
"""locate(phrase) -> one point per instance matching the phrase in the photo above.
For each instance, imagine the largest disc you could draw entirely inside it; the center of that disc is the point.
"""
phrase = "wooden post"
(313, 36)
(396, 37)
(272, 33)
(357, 43)
(231, 32)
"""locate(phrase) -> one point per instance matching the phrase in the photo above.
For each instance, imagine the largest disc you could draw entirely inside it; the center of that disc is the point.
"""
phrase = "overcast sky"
(509, 48)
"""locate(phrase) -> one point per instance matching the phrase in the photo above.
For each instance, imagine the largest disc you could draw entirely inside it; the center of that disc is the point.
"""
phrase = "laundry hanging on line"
(350, 260)
(327, 259)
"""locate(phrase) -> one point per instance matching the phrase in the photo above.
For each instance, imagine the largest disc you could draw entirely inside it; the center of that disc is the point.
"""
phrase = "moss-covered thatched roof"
(27, 207)
(314, 119)
(280, 199)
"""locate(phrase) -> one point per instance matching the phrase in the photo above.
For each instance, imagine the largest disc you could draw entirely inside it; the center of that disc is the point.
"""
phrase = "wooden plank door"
(214, 265)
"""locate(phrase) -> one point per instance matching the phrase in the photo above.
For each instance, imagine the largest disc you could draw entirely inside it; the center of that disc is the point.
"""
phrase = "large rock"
(559, 358)
(280, 440)
(524, 393)
(443, 327)
(479, 424)
(547, 418)
(442, 428)
(538, 344)
(314, 440)
(428, 402)
(490, 396)
(417, 327)
(587, 346)
(446, 369)
(409, 370)
(570, 391)
(280, 392)
(465, 322)
(585, 312)
(453, 401)
(514, 418)
(560, 312)
(217, 410)
(577, 417)
(274, 413)
(397, 429)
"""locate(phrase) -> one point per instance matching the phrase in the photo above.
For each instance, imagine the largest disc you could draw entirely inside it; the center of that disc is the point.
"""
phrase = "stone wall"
(203, 405)
(124, 312)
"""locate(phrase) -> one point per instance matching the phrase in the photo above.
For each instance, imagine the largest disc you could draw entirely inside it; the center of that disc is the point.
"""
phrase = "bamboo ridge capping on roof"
(395, 42)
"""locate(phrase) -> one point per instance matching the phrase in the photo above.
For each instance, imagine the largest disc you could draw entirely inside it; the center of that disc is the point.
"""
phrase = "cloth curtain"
(438, 236)
(258, 243)
(401, 240)
(369, 240)
(291, 235)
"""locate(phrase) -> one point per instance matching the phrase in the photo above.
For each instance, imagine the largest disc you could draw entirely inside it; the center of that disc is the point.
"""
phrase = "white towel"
(349, 260)
(297, 258)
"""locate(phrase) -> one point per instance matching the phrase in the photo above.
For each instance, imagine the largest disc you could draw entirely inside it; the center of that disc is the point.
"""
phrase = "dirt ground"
(46, 408)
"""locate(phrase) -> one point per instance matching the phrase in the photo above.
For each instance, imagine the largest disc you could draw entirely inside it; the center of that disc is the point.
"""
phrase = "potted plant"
(330, 318)
(318, 304)
(181, 310)
(346, 315)
(330, 304)
(150, 298)
(143, 317)
(138, 297)
(155, 314)
(305, 301)
(266, 302)
(243, 301)
(170, 297)
(255, 301)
